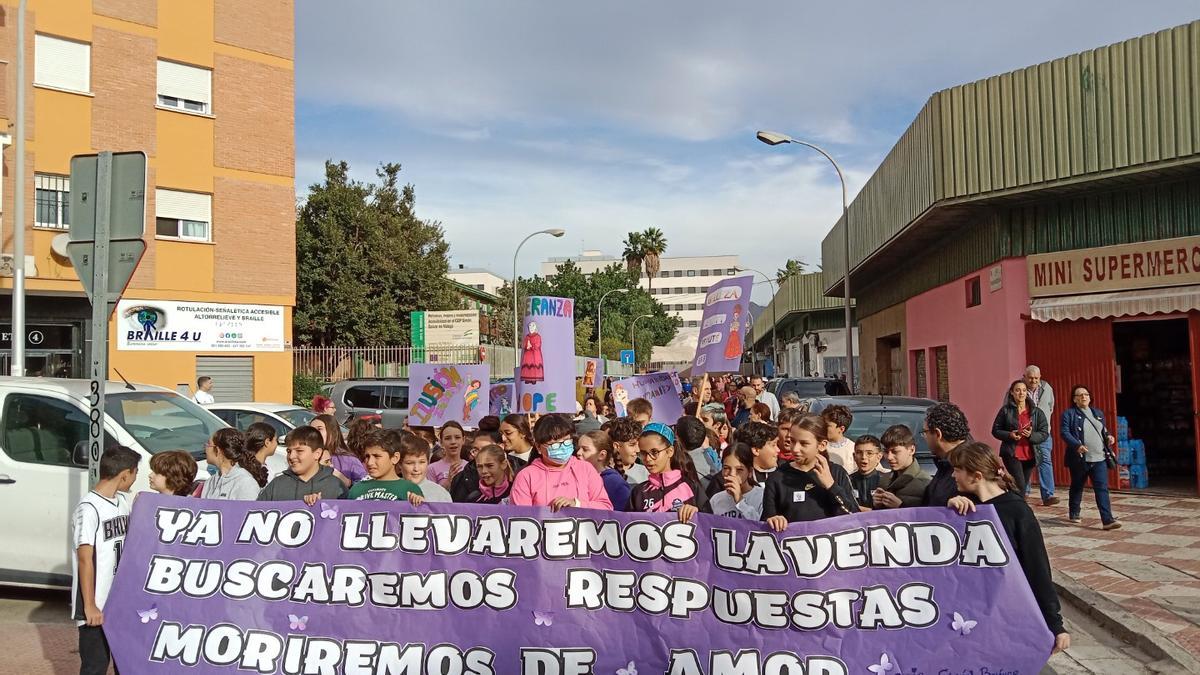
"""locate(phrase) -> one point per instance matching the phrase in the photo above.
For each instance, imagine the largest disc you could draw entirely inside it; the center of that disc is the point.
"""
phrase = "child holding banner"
(672, 485)
(414, 466)
(382, 450)
(495, 477)
(305, 478)
(977, 471)
(596, 448)
(445, 469)
(810, 487)
(558, 478)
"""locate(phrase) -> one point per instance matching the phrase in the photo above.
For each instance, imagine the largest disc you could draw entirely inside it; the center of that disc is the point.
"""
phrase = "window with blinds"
(182, 215)
(184, 87)
(62, 64)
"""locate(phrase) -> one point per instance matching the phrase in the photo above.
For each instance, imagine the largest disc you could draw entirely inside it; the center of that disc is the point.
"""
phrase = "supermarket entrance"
(1154, 392)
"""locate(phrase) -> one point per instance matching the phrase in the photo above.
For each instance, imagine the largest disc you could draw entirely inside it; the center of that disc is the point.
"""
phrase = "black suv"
(808, 387)
(874, 414)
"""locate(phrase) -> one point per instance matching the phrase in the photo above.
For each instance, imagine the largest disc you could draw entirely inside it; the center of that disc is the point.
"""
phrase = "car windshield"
(875, 422)
(297, 417)
(161, 420)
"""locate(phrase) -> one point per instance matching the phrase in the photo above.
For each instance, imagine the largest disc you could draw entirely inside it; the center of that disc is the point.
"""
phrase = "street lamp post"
(554, 232)
(774, 314)
(633, 337)
(775, 138)
(599, 333)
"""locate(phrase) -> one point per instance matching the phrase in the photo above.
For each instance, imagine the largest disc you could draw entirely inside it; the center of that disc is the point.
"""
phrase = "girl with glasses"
(673, 485)
(557, 478)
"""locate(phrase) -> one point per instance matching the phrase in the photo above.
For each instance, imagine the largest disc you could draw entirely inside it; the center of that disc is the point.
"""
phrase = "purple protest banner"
(657, 388)
(546, 371)
(723, 328)
(384, 587)
(440, 393)
(593, 373)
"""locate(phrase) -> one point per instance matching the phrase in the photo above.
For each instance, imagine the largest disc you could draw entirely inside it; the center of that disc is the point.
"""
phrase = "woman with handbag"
(1088, 454)
(1021, 428)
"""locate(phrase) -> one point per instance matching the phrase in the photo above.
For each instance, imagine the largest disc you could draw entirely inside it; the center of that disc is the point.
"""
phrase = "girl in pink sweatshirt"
(558, 478)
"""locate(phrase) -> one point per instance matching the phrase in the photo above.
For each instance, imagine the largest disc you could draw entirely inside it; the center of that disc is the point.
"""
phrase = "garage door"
(233, 376)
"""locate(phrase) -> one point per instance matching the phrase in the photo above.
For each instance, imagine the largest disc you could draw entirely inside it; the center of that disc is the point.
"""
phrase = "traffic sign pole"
(100, 312)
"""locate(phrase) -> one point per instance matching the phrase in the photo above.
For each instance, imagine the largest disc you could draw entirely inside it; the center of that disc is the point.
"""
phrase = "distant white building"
(680, 286)
(479, 279)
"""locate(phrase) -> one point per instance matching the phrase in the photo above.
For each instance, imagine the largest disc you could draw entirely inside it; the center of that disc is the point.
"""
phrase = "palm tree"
(654, 244)
(790, 268)
(633, 253)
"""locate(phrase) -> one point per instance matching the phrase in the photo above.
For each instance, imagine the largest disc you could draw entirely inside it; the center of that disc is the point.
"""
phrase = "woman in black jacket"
(1020, 428)
(977, 473)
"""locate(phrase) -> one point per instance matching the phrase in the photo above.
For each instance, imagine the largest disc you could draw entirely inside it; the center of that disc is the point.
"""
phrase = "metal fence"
(332, 364)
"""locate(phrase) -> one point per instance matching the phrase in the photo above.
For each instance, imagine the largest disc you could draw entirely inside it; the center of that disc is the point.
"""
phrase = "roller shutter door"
(233, 376)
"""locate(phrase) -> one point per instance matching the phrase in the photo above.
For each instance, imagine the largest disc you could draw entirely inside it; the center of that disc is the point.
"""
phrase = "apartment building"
(206, 89)
(477, 278)
(680, 286)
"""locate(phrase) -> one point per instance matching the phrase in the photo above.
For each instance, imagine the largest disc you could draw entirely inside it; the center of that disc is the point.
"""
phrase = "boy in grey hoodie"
(305, 478)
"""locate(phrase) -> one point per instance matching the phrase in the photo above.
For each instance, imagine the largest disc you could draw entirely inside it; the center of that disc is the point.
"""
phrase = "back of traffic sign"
(127, 212)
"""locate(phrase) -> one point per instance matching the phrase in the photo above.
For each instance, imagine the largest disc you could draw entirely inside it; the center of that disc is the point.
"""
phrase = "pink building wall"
(985, 344)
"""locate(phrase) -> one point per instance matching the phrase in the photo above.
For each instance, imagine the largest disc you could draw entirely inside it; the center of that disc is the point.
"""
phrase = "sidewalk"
(1147, 571)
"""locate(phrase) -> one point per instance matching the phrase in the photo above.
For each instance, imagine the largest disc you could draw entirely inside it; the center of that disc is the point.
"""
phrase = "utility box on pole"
(108, 218)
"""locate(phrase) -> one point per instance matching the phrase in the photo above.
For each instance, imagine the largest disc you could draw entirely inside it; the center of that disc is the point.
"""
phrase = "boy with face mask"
(558, 478)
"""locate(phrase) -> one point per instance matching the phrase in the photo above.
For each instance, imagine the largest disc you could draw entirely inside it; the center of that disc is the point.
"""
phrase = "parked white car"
(43, 461)
(282, 416)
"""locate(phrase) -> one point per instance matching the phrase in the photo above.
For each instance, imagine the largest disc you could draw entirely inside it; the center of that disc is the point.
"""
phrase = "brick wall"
(254, 227)
(138, 11)
(262, 25)
(253, 104)
(124, 76)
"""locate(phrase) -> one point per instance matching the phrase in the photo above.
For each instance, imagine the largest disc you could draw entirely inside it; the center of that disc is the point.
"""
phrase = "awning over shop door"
(1117, 304)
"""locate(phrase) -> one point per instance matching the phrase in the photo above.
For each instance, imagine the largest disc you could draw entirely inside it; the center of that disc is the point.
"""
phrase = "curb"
(1169, 657)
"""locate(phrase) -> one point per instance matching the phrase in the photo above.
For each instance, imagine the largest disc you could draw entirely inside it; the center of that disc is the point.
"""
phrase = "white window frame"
(54, 183)
(184, 88)
(167, 207)
(56, 64)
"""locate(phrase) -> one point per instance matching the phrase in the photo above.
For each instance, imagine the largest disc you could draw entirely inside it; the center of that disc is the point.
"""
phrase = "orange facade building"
(206, 89)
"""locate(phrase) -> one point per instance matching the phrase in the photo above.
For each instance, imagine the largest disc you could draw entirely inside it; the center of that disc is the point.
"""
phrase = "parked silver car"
(386, 397)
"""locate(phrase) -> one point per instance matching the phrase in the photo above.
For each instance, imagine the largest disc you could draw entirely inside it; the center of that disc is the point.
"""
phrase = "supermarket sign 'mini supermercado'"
(158, 325)
(1147, 264)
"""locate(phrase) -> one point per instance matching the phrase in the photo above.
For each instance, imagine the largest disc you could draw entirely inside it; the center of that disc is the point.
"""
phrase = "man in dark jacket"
(945, 428)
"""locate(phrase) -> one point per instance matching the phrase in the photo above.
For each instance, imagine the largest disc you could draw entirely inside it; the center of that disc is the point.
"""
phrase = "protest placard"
(657, 388)
(593, 373)
(362, 587)
(546, 369)
(723, 327)
(500, 398)
(440, 393)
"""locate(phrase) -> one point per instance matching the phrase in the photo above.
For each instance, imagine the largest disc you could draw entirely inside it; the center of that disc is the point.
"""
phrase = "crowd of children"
(800, 467)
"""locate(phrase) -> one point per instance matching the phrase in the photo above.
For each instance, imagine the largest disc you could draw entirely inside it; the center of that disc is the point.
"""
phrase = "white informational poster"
(452, 329)
(168, 325)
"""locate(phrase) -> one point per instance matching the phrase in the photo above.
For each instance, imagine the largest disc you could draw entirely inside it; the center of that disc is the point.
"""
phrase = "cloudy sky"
(605, 117)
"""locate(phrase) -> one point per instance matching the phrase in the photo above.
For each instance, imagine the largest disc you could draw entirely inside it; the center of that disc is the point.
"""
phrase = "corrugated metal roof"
(1109, 112)
(798, 294)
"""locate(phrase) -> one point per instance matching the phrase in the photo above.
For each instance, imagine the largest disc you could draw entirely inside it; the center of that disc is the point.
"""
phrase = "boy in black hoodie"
(306, 477)
(809, 487)
(867, 452)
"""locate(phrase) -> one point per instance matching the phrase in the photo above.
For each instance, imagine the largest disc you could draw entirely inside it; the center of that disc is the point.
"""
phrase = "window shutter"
(187, 82)
(183, 205)
(64, 64)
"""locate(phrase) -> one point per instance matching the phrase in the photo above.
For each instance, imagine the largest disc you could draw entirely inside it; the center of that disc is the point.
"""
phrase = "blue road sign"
(627, 357)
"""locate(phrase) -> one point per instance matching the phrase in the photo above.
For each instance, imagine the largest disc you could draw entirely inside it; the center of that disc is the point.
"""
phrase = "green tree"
(791, 268)
(654, 244)
(365, 261)
(568, 281)
(633, 253)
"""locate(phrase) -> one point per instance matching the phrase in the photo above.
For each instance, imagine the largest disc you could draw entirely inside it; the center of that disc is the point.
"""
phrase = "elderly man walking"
(1042, 396)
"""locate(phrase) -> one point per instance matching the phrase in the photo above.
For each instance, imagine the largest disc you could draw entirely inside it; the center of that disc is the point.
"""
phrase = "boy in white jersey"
(98, 534)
